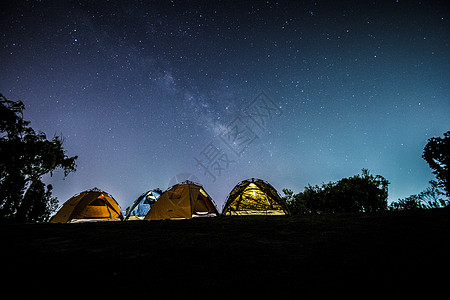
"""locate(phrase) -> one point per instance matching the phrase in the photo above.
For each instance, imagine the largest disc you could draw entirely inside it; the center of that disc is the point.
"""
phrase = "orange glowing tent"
(90, 205)
(183, 201)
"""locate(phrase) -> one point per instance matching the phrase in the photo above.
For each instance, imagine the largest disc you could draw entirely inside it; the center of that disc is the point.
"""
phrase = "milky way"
(296, 93)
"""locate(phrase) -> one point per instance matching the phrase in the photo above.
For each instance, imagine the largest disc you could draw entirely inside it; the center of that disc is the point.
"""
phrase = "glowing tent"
(142, 205)
(88, 206)
(183, 201)
(254, 197)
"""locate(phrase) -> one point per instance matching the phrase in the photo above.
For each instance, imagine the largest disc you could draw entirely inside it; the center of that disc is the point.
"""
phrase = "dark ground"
(404, 253)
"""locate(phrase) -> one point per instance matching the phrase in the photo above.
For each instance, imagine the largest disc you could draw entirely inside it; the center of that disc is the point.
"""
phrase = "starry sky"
(150, 93)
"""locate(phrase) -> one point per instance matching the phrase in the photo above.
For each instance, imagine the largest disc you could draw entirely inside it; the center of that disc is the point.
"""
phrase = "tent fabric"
(142, 205)
(254, 197)
(90, 204)
(183, 201)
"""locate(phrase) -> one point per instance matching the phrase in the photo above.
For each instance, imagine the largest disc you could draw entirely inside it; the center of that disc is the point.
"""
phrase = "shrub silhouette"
(360, 193)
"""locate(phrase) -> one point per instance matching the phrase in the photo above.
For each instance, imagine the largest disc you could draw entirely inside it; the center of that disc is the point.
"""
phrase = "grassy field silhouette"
(404, 252)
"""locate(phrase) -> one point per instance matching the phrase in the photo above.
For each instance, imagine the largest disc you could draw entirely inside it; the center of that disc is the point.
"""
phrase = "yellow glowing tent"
(254, 197)
(88, 205)
(183, 201)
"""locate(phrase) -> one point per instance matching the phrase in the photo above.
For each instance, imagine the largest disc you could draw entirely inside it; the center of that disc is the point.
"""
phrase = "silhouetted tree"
(411, 202)
(359, 193)
(25, 156)
(429, 198)
(437, 155)
(37, 203)
(296, 203)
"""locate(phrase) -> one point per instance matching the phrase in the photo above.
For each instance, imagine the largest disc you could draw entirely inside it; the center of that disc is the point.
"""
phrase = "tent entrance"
(99, 209)
(202, 205)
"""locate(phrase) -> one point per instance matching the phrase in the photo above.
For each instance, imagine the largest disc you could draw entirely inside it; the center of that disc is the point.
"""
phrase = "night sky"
(295, 92)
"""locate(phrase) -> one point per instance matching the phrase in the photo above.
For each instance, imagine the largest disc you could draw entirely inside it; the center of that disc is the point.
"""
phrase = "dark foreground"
(402, 253)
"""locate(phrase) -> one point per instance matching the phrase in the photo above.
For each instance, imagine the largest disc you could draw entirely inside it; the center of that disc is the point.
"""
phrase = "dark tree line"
(25, 156)
(437, 154)
(368, 193)
(431, 197)
(360, 193)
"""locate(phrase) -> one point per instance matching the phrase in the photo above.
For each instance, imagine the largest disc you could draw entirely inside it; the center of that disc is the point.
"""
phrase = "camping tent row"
(182, 201)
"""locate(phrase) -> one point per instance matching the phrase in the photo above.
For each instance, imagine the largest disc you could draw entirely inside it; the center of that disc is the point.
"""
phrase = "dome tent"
(254, 197)
(185, 200)
(142, 205)
(89, 205)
